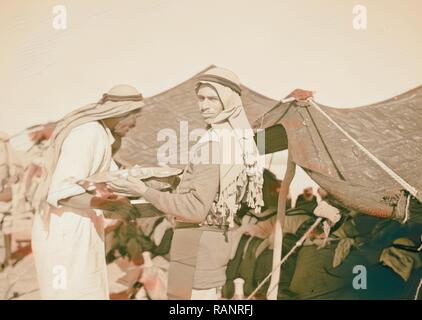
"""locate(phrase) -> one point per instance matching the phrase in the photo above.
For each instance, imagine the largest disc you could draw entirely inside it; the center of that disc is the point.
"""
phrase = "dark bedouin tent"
(368, 159)
(390, 130)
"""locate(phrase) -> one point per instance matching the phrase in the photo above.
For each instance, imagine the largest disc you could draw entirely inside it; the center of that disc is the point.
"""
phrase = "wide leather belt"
(183, 225)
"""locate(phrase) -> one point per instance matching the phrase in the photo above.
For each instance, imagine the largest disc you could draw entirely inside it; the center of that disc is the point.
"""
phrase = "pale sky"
(273, 45)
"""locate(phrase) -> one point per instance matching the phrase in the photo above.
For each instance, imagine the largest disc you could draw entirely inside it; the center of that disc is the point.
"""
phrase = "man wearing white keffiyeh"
(239, 172)
(68, 228)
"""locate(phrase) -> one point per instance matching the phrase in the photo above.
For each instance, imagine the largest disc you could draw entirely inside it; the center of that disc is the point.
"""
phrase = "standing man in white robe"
(68, 229)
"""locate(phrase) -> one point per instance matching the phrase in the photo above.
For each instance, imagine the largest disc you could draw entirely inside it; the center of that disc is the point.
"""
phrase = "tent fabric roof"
(391, 130)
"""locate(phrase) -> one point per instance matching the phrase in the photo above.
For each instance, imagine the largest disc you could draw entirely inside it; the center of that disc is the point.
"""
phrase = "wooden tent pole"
(298, 244)
(278, 231)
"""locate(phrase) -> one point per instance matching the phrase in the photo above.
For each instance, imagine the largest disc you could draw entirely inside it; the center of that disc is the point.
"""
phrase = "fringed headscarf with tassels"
(120, 100)
(240, 178)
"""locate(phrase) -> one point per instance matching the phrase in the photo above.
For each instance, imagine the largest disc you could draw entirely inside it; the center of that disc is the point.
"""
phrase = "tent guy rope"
(412, 190)
(298, 244)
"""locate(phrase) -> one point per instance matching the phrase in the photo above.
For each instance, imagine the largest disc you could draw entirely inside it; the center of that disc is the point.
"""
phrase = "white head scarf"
(236, 177)
(118, 101)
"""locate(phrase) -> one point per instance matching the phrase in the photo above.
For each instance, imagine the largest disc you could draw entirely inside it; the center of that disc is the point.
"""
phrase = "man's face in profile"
(125, 123)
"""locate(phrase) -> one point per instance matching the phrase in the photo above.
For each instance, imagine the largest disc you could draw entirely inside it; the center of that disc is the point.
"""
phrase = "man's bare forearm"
(82, 201)
(119, 208)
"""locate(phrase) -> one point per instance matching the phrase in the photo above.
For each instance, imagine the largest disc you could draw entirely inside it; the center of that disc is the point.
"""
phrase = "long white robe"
(70, 256)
